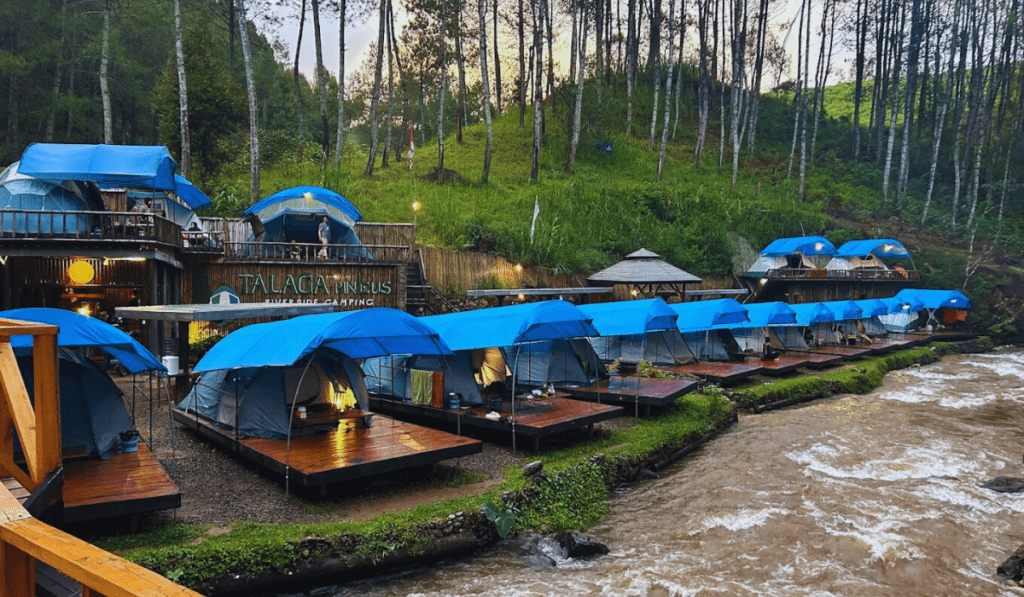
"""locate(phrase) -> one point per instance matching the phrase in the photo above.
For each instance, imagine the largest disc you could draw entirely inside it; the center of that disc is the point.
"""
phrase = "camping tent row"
(253, 380)
(817, 252)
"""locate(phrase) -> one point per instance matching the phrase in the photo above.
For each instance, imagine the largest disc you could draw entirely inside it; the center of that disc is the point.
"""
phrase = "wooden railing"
(88, 225)
(23, 539)
(310, 253)
(892, 275)
(37, 426)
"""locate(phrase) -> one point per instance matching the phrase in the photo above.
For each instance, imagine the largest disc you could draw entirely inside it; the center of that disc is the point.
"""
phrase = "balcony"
(314, 253)
(20, 227)
(829, 275)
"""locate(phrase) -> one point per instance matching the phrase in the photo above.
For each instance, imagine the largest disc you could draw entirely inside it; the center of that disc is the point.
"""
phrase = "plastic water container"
(171, 362)
(453, 401)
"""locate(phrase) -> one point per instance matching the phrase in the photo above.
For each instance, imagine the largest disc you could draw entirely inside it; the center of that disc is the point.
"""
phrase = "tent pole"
(291, 415)
(636, 394)
(515, 373)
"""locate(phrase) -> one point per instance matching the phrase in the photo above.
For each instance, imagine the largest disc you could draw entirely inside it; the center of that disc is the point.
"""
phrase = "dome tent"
(22, 192)
(791, 253)
(295, 214)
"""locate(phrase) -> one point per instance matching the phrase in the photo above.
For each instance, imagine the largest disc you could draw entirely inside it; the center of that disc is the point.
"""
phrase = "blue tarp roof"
(137, 166)
(704, 315)
(357, 334)
(628, 318)
(190, 193)
(935, 299)
(811, 313)
(808, 245)
(899, 305)
(881, 247)
(872, 307)
(844, 310)
(306, 199)
(768, 314)
(505, 326)
(79, 331)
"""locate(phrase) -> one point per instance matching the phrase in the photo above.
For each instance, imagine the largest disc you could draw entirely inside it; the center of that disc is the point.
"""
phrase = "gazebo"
(645, 274)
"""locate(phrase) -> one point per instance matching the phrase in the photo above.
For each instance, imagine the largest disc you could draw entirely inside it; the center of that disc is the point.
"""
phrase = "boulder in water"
(1004, 484)
(578, 545)
(1013, 567)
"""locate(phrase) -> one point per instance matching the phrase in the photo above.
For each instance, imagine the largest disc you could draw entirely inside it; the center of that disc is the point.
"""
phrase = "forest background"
(699, 129)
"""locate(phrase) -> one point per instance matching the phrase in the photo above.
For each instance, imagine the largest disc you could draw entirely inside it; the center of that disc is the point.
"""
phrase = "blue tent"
(561, 361)
(872, 307)
(92, 410)
(807, 245)
(698, 316)
(21, 192)
(632, 331)
(843, 310)
(812, 313)
(295, 214)
(791, 253)
(396, 376)
(879, 247)
(190, 193)
(935, 299)
(356, 334)
(763, 315)
(254, 376)
(134, 166)
(79, 331)
(514, 324)
(902, 314)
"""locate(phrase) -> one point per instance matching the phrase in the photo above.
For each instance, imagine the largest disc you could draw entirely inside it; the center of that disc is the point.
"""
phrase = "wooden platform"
(124, 484)
(819, 360)
(724, 373)
(632, 392)
(350, 451)
(534, 418)
(846, 352)
(786, 362)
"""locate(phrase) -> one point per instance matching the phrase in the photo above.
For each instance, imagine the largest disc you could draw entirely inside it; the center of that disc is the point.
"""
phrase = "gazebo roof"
(642, 267)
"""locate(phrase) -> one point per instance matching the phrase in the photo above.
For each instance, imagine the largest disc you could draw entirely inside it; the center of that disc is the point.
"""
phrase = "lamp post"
(415, 211)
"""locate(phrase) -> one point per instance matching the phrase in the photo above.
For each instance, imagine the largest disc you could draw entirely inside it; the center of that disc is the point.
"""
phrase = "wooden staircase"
(421, 298)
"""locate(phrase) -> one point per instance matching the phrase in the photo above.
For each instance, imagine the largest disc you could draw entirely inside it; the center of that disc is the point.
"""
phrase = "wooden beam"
(103, 572)
(47, 403)
(17, 572)
(15, 399)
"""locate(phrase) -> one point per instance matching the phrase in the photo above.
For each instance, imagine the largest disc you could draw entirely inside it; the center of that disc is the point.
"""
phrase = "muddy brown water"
(874, 495)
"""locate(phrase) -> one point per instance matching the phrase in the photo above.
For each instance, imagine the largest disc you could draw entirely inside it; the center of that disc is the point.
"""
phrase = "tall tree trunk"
(897, 67)
(485, 86)
(917, 27)
(703, 88)
(321, 81)
(720, 15)
(460, 63)
(823, 69)
(799, 91)
(391, 87)
(739, 45)
(941, 119)
(186, 143)
(631, 66)
(340, 141)
(300, 108)
(580, 58)
(375, 96)
(108, 127)
(668, 86)
(250, 83)
(497, 63)
(522, 65)
(549, 20)
(803, 110)
(537, 12)
(755, 92)
(444, 90)
(861, 34)
(599, 18)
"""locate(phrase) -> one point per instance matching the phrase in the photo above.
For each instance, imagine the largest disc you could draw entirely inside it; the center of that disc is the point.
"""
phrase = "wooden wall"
(350, 286)
(371, 233)
(460, 271)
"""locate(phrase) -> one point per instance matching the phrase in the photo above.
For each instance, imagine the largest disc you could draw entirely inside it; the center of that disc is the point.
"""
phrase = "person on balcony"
(324, 232)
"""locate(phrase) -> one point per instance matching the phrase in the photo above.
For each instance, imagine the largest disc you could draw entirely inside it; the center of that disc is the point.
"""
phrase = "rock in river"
(1005, 484)
(578, 545)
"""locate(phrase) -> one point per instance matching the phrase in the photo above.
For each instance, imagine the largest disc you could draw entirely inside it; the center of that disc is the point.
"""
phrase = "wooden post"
(47, 402)
(17, 572)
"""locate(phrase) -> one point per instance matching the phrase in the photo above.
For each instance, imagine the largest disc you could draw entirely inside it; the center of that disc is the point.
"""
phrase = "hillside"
(613, 204)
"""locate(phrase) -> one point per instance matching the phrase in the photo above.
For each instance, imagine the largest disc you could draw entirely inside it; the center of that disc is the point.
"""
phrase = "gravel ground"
(217, 488)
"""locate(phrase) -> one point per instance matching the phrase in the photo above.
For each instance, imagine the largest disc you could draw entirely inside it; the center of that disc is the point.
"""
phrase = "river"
(874, 495)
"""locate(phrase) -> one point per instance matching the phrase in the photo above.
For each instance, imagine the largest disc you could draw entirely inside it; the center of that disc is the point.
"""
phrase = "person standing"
(324, 231)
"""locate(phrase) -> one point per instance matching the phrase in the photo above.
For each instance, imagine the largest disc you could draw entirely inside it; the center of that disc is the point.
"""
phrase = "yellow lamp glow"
(81, 272)
(307, 196)
(85, 310)
(416, 205)
(519, 268)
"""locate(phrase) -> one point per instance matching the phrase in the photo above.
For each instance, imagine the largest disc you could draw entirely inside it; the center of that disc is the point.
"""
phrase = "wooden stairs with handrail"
(25, 540)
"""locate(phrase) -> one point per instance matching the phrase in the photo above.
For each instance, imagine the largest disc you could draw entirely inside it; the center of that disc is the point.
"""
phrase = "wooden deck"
(846, 352)
(786, 362)
(724, 373)
(819, 360)
(124, 484)
(349, 451)
(632, 391)
(534, 418)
